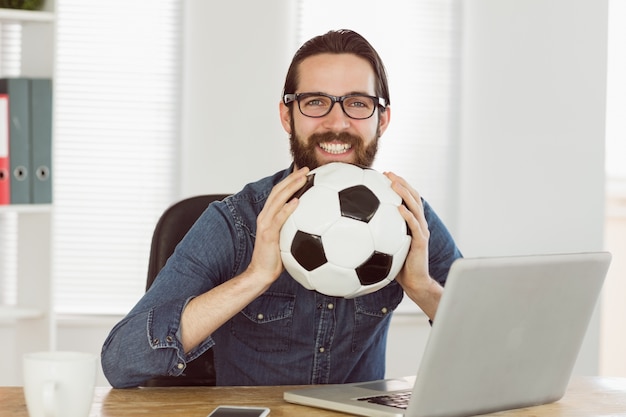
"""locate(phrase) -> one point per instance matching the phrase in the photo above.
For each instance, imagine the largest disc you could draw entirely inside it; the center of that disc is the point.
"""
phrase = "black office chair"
(170, 229)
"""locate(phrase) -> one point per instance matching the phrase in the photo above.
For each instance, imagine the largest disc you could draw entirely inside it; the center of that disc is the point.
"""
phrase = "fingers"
(413, 213)
(266, 259)
(410, 196)
(280, 201)
(288, 187)
(278, 205)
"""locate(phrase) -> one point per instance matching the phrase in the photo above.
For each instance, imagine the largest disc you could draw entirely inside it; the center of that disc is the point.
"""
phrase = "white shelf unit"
(20, 16)
(30, 321)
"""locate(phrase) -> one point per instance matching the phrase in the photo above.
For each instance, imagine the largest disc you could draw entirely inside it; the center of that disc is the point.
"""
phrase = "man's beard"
(304, 151)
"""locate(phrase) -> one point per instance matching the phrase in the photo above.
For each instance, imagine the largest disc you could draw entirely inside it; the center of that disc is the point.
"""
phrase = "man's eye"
(315, 102)
(360, 103)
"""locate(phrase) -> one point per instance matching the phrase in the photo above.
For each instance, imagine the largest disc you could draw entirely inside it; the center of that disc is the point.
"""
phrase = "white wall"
(612, 337)
(532, 130)
(532, 136)
(236, 55)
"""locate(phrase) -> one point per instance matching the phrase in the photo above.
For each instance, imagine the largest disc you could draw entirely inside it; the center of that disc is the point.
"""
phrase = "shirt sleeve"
(442, 249)
(146, 343)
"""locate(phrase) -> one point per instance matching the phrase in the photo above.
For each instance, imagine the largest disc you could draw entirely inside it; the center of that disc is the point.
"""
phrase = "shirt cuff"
(164, 333)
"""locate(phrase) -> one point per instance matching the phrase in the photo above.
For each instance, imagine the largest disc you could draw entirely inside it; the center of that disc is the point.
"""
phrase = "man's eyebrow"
(353, 92)
(365, 93)
(359, 92)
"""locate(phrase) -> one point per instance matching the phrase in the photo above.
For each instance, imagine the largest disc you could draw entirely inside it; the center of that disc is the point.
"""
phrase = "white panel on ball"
(332, 279)
(317, 210)
(348, 243)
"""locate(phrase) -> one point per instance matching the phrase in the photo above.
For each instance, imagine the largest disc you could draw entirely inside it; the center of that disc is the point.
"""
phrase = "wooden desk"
(586, 397)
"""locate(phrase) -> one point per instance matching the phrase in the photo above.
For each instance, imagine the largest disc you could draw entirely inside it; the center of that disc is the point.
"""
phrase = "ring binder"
(17, 90)
(5, 177)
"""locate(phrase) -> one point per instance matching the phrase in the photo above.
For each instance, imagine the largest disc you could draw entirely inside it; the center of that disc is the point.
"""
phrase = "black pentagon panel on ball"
(375, 269)
(308, 250)
(358, 203)
(310, 182)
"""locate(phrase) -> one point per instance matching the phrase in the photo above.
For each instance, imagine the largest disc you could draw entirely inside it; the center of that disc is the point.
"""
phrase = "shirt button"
(260, 316)
(330, 306)
(180, 366)
(384, 310)
(322, 350)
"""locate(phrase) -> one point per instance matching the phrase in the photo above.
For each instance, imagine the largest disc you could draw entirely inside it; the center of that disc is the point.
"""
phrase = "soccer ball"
(346, 238)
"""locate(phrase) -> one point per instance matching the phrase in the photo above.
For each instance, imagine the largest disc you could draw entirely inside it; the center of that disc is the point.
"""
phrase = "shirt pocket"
(266, 324)
(372, 313)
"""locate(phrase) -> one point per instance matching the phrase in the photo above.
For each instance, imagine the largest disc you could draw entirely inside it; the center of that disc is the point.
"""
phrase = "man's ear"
(285, 117)
(384, 119)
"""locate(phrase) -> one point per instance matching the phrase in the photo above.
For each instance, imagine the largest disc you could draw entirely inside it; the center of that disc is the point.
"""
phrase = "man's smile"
(335, 148)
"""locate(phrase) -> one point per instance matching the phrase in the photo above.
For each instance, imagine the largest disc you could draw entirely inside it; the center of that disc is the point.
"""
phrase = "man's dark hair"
(342, 41)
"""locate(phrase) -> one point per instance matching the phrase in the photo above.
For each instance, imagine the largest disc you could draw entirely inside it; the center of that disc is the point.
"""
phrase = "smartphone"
(239, 411)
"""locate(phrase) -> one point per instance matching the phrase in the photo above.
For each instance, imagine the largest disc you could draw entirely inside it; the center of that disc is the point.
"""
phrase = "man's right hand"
(266, 261)
(207, 312)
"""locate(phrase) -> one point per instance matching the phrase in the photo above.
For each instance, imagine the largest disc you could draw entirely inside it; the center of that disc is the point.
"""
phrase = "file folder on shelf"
(5, 179)
(19, 138)
(41, 134)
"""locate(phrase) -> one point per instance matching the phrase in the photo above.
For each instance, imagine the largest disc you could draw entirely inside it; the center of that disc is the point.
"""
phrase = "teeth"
(335, 148)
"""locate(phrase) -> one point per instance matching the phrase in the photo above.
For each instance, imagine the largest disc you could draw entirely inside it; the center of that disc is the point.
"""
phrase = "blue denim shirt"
(288, 335)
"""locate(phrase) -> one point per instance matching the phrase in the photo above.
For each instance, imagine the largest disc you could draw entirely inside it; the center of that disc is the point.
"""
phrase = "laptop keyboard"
(396, 399)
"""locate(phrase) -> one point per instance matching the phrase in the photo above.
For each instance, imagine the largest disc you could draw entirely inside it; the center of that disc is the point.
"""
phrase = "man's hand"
(414, 276)
(266, 261)
(207, 312)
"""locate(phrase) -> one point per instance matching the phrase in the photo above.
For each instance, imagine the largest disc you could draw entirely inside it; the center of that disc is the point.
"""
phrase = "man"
(225, 287)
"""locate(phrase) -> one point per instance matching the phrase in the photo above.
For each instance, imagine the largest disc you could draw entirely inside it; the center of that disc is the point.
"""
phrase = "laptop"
(507, 335)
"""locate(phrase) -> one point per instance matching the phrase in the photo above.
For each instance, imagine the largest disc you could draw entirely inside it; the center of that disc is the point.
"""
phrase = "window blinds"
(616, 101)
(116, 84)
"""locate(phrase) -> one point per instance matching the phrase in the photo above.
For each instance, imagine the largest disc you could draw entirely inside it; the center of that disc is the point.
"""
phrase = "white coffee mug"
(59, 384)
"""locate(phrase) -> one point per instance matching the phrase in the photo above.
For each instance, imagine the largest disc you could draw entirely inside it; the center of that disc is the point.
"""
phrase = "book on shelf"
(5, 179)
(41, 136)
(19, 138)
(29, 129)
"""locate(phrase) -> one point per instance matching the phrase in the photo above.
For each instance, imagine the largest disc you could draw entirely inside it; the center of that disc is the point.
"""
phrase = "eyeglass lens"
(357, 107)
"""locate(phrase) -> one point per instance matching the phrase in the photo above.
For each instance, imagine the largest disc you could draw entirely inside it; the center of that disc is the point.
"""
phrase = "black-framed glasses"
(355, 106)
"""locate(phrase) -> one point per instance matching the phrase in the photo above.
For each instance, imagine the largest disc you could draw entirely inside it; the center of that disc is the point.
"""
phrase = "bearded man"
(225, 288)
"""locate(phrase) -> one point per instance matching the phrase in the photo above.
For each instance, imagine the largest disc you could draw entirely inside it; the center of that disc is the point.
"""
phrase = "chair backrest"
(173, 224)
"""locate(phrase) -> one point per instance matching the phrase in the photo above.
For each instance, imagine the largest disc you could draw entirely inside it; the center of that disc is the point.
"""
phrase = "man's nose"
(337, 118)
